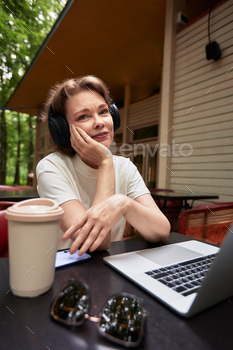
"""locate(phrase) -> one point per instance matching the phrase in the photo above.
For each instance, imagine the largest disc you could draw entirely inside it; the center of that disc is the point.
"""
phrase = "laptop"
(188, 277)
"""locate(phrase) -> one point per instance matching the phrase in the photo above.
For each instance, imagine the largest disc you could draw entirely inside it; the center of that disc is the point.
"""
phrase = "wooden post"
(166, 114)
(126, 132)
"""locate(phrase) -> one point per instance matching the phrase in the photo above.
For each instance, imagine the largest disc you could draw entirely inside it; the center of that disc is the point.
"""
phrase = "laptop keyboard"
(186, 277)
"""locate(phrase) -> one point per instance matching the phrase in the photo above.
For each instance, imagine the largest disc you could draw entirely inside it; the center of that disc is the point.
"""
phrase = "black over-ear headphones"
(59, 128)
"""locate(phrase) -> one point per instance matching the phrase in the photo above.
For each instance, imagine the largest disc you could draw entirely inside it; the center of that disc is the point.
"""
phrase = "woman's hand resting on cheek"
(87, 148)
(93, 227)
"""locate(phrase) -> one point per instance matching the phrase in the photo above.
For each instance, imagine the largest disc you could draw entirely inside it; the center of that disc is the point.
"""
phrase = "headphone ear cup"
(114, 111)
(59, 129)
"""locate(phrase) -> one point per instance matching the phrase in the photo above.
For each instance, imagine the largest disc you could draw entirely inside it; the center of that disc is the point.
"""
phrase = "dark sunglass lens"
(123, 318)
(72, 303)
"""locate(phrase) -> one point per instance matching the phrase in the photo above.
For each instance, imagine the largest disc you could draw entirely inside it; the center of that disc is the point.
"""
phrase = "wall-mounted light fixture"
(182, 19)
(212, 49)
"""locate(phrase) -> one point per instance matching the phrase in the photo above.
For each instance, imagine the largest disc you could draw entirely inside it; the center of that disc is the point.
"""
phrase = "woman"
(98, 191)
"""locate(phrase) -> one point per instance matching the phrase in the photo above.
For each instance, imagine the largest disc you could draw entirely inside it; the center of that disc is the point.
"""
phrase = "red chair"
(3, 235)
(10, 188)
(5, 205)
(208, 222)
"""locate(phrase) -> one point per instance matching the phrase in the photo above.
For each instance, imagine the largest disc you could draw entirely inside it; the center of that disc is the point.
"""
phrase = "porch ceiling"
(119, 41)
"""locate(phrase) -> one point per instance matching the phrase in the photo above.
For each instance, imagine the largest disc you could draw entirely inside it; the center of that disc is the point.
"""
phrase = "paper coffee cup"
(33, 234)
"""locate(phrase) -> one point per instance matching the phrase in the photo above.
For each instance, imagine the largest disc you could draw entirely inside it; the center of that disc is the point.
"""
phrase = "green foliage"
(12, 140)
(23, 27)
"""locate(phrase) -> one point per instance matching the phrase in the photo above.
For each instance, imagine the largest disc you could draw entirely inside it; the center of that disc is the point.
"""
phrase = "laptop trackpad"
(169, 254)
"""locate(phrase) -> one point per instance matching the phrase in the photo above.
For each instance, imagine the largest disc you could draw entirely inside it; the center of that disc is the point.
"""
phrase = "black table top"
(182, 195)
(17, 196)
(25, 323)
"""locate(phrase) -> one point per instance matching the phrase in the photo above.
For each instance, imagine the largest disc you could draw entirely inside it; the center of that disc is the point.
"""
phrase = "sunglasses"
(121, 320)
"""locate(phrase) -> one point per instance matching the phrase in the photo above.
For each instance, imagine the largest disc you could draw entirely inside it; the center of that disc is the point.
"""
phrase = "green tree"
(30, 152)
(27, 140)
(17, 171)
(23, 27)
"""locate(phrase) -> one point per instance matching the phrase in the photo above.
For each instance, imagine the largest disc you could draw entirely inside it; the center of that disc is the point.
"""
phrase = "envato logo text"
(164, 150)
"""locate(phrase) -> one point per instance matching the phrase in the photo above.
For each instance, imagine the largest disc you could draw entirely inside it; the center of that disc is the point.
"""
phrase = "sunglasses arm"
(92, 318)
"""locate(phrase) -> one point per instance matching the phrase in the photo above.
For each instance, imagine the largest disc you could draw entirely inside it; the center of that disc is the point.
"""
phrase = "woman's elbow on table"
(159, 231)
(166, 230)
(146, 217)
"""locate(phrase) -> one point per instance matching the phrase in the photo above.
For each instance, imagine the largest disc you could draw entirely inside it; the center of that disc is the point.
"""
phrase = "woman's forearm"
(152, 224)
(105, 188)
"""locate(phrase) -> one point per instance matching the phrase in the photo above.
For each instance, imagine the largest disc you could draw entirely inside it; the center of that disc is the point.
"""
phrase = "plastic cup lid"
(35, 210)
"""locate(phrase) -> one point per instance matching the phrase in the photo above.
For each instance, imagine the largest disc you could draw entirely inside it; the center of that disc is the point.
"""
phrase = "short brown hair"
(60, 92)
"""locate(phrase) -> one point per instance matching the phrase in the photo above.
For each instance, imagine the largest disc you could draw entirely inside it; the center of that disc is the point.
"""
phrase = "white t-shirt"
(64, 178)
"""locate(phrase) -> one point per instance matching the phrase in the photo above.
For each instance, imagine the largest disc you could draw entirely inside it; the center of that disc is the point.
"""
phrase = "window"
(138, 162)
(151, 171)
(145, 159)
(145, 133)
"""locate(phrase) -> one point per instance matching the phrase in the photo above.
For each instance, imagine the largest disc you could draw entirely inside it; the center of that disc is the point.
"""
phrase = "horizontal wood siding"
(203, 107)
(145, 113)
(142, 114)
